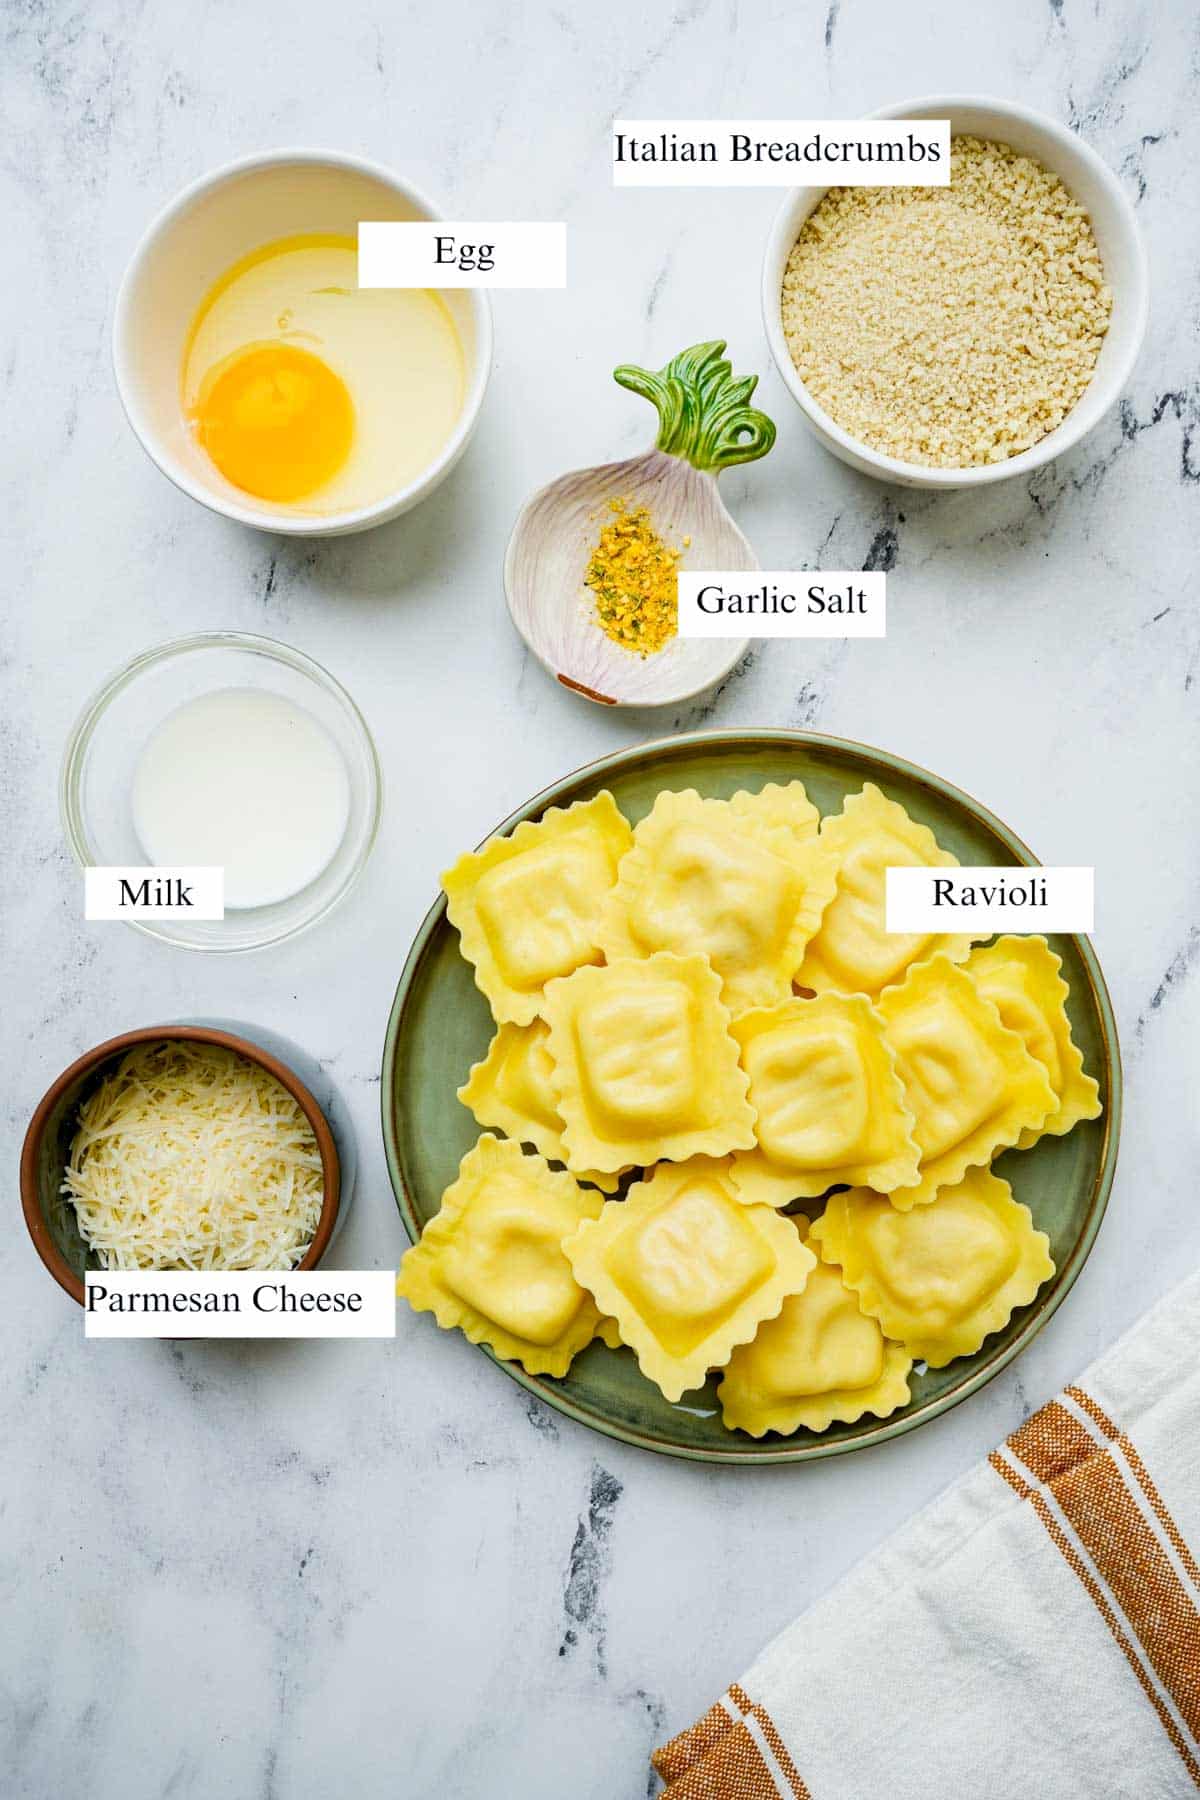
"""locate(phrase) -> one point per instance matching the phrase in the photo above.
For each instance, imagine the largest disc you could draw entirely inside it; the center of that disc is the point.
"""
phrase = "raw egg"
(312, 394)
(276, 420)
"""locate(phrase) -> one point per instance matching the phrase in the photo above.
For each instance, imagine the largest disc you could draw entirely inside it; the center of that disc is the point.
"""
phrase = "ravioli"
(822, 1360)
(1020, 976)
(941, 1278)
(702, 878)
(713, 998)
(512, 1089)
(527, 907)
(969, 1082)
(688, 1271)
(830, 1104)
(852, 953)
(644, 1066)
(775, 804)
(491, 1261)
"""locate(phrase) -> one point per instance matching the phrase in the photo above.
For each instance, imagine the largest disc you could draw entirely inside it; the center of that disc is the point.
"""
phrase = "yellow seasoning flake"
(631, 572)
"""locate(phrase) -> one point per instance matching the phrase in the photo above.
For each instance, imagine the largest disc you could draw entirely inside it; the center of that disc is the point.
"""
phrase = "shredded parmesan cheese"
(189, 1156)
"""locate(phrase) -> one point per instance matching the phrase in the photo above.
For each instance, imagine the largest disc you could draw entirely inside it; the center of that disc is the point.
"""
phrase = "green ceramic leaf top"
(704, 415)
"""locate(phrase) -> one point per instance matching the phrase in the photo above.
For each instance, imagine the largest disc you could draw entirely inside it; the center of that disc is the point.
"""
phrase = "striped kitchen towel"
(1033, 1632)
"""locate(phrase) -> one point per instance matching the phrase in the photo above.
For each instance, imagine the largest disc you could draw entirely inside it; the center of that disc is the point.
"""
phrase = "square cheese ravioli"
(491, 1261)
(527, 906)
(644, 1066)
(852, 952)
(822, 1360)
(969, 1082)
(687, 1271)
(943, 1277)
(732, 885)
(830, 1104)
(1020, 976)
(513, 1089)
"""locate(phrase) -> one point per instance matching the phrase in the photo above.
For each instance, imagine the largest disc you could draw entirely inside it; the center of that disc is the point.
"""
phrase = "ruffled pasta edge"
(675, 1376)
(839, 1406)
(979, 1147)
(812, 973)
(754, 1175)
(1080, 1097)
(508, 1004)
(815, 865)
(733, 1130)
(1034, 1268)
(482, 1100)
(417, 1280)
(779, 803)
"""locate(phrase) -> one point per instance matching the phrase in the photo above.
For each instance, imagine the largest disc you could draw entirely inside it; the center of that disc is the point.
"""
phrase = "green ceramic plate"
(440, 1025)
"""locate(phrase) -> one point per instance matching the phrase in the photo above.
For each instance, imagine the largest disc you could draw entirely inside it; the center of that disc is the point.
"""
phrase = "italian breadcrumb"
(948, 326)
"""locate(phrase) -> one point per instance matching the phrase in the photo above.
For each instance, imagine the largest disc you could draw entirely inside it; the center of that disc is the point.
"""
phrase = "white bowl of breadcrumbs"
(949, 336)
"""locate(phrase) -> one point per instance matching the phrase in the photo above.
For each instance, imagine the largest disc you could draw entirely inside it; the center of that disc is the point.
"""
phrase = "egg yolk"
(276, 421)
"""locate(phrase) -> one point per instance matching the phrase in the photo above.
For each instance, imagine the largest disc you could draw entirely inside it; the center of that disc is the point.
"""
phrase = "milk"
(245, 780)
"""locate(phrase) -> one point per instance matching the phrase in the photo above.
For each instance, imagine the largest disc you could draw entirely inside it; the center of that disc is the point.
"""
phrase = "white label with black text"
(716, 603)
(159, 893)
(987, 900)
(453, 253)
(177, 1303)
(781, 152)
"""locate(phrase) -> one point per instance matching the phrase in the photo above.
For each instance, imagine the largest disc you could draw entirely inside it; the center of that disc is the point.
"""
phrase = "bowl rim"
(273, 650)
(39, 1231)
(882, 1431)
(295, 525)
(1066, 435)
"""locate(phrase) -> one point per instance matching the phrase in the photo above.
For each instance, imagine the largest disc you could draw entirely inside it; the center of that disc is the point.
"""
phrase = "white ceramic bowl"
(1091, 182)
(279, 193)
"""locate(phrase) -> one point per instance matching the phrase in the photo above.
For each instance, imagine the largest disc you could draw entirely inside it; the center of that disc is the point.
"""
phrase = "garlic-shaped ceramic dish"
(705, 424)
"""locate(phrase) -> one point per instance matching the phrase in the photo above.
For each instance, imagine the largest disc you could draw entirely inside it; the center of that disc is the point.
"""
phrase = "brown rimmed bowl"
(51, 1218)
(440, 1025)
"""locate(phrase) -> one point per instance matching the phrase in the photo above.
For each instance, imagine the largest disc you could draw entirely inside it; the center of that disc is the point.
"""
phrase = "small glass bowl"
(96, 782)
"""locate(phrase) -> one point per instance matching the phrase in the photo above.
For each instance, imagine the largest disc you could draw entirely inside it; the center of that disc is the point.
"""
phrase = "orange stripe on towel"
(1144, 1480)
(779, 1751)
(1059, 1538)
(733, 1769)
(719, 1758)
(1091, 1491)
(676, 1758)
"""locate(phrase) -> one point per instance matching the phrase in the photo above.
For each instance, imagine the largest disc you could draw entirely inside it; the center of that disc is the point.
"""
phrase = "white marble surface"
(295, 1571)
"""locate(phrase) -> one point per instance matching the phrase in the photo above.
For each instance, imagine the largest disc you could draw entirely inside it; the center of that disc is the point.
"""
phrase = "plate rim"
(883, 1430)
